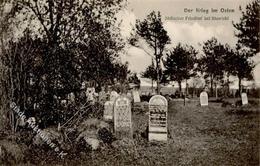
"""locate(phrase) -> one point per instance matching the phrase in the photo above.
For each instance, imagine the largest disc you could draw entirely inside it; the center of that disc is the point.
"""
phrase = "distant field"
(164, 90)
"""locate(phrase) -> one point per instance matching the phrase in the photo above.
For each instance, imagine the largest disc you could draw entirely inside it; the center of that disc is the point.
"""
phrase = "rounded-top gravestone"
(244, 98)
(136, 96)
(158, 108)
(204, 99)
(123, 117)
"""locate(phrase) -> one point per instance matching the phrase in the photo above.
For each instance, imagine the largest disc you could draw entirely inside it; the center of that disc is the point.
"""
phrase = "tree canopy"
(248, 28)
(151, 29)
(180, 63)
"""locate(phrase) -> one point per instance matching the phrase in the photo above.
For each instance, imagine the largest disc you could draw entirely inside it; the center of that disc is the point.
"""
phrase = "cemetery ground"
(210, 135)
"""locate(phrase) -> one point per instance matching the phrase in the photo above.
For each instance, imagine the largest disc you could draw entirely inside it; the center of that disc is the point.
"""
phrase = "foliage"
(180, 63)
(248, 28)
(150, 72)
(75, 41)
(212, 61)
(151, 29)
(134, 79)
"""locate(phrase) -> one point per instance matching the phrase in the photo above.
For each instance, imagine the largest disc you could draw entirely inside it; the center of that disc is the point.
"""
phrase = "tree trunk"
(152, 86)
(239, 85)
(216, 90)
(180, 88)
(228, 88)
(158, 74)
(211, 85)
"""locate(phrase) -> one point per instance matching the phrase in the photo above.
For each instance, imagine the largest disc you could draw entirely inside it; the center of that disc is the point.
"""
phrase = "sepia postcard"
(129, 82)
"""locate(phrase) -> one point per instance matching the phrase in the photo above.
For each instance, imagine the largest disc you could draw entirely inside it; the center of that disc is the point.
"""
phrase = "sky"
(180, 28)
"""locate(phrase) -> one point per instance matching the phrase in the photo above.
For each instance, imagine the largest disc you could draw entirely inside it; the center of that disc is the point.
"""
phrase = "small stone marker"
(244, 98)
(158, 107)
(108, 110)
(204, 99)
(113, 96)
(129, 95)
(136, 96)
(90, 92)
(123, 117)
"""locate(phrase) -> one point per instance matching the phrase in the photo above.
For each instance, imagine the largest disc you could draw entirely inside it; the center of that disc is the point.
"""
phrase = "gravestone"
(129, 95)
(113, 96)
(244, 98)
(108, 110)
(158, 107)
(123, 117)
(90, 93)
(204, 99)
(136, 96)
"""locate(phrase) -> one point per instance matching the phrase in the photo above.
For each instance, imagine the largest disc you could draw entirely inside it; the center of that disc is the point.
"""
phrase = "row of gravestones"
(204, 99)
(118, 110)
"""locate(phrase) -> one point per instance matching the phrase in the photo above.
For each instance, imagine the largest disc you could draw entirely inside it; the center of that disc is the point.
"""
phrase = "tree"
(212, 62)
(242, 66)
(150, 72)
(248, 28)
(6, 93)
(75, 41)
(228, 66)
(151, 29)
(180, 63)
(134, 79)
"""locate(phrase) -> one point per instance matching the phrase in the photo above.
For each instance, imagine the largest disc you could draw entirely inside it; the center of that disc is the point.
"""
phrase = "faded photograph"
(129, 82)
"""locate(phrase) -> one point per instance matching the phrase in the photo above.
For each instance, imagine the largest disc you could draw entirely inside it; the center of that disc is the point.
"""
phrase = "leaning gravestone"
(113, 96)
(204, 99)
(244, 98)
(123, 118)
(136, 96)
(158, 107)
(108, 110)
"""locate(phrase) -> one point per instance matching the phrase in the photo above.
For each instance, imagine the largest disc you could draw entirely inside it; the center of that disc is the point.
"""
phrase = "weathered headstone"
(244, 98)
(136, 96)
(90, 92)
(113, 96)
(129, 95)
(108, 110)
(158, 107)
(123, 117)
(204, 99)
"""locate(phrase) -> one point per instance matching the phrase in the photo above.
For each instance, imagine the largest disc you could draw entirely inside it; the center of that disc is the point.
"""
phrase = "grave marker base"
(157, 136)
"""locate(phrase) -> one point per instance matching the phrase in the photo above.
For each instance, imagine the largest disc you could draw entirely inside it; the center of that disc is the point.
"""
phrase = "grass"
(210, 135)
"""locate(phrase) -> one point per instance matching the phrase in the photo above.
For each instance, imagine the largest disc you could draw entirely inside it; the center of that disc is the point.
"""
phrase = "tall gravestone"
(123, 118)
(244, 98)
(108, 110)
(158, 107)
(136, 96)
(204, 99)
